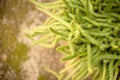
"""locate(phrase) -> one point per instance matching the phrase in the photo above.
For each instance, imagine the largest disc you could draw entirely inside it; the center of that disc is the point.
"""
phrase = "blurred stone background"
(19, 61)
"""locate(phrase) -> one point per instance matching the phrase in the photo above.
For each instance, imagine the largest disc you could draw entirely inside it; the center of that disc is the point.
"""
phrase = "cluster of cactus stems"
(91, 30)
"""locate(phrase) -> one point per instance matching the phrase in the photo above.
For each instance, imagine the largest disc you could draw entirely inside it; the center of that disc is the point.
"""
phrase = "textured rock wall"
(15, 17)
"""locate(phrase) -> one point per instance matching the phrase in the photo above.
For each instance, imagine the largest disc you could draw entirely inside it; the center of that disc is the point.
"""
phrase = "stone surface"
(21, 15)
